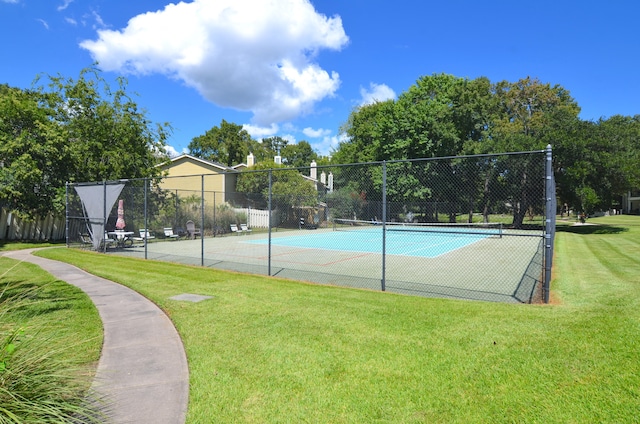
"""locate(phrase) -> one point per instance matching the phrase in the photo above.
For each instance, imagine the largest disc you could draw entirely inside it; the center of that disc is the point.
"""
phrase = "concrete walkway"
(143, 370)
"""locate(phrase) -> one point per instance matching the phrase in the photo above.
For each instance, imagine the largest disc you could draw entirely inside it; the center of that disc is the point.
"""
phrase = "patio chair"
(87, 243)
(144, 235)
(108, 241)
(245, 228)
(168, 233)
(192, 231)
(235, 229)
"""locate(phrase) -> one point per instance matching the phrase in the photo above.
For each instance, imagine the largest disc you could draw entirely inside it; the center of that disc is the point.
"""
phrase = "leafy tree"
(599, 163)
(34, 163)
(442, 115)
(71, 130)
(254, 181)
(616, 145)
(434, 118)
(368, 129)
(107, 134)
(228, 144)
(529, 116)
(271, 147)
(298, 155)
(289, 188)
(346, 203)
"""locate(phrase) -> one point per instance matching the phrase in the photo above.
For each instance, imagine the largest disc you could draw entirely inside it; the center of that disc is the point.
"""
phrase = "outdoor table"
(123, 238)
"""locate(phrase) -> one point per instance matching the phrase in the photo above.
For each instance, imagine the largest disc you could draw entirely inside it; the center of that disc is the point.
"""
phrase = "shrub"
(36, 383)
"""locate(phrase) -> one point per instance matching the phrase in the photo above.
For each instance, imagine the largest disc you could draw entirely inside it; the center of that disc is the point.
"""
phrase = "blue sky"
(297, 68)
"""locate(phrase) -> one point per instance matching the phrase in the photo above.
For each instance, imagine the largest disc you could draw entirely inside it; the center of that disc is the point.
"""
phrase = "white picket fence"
(256, 218)
(47, 228)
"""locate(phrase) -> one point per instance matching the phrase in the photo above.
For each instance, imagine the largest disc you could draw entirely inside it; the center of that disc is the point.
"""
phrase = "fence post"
(384, 225)
(215, 224)
(66, 212)
(104, 216)
(202, 220)
(146, 218)
(269, 249)
(550, 214)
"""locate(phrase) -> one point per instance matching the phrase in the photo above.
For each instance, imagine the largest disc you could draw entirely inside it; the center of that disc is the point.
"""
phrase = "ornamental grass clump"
(38, 383)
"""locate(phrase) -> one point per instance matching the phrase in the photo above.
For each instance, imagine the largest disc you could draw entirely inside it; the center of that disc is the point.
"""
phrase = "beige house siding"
(188, 176)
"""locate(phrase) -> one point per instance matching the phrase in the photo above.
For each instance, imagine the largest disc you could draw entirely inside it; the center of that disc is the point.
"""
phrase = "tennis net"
(492, 229)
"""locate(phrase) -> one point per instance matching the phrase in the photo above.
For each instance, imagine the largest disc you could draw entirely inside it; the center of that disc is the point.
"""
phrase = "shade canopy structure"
(97, 201)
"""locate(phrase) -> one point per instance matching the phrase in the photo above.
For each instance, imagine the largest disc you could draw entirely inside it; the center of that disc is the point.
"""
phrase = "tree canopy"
(228, 144)
(66, 130)
(289, 188)
(442, 115)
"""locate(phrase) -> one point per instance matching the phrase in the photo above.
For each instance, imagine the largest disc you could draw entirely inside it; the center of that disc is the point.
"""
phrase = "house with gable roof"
(189, 175)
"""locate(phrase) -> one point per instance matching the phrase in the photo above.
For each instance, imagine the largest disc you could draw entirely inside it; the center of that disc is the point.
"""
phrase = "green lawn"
(13, 245)
(266, 350)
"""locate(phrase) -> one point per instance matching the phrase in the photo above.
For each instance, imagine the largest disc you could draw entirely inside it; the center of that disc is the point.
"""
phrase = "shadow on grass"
(591, 229)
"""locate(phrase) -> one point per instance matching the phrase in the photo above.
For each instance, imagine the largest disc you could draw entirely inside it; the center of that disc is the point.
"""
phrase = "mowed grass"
(51, 310)
(13, 245)
(267, 350)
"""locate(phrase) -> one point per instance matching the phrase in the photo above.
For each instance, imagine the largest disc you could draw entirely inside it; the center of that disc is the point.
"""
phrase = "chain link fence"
(473, 227)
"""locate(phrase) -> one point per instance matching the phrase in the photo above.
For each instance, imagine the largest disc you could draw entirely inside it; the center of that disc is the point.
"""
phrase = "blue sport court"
(408, 242)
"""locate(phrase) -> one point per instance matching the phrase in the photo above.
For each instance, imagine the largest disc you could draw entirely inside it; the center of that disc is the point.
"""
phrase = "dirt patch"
(554, 298)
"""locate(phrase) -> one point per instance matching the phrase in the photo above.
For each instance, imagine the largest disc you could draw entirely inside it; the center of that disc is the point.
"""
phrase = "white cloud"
(171, 151)
(291, 139)
(44, 23)
(64, 5)
(99, 22)
(260, 132)
(376, 93)
(250, 55)
(11, 1)
(71, 21)
(328, 144)
(320, 132)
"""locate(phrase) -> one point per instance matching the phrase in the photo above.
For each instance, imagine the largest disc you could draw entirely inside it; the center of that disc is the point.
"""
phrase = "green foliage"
(346, 203)
(44, 349)
(289, 187)
(34, 160)
(222, 219)
(184, 208)
(601, 156)
(442, 115)
(268, 148)
(228, 144)
(71, 131)
(588, 199)
(298, 155)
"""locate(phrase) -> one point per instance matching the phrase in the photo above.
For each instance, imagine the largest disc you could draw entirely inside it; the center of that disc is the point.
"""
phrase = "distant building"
(196, 174)
(631, 202)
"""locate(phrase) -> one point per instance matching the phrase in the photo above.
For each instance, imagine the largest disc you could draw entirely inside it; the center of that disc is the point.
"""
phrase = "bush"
(225, 216)
(36, 383)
